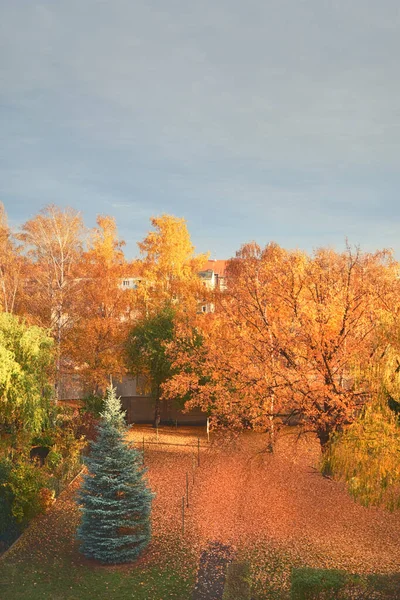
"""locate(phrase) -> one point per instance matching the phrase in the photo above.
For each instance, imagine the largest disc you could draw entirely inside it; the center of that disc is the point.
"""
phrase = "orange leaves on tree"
(105, 308)
(289, 335)
(169, 267)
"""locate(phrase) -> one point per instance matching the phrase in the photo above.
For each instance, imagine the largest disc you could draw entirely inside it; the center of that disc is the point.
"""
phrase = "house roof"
(218, 266)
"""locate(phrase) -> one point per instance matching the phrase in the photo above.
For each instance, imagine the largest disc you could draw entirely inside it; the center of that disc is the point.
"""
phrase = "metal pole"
(183, 515)
(187, 489)
(208, 429)
(198, 452)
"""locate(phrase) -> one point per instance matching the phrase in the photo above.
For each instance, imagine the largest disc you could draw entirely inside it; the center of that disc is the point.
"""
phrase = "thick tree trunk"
(323, 435)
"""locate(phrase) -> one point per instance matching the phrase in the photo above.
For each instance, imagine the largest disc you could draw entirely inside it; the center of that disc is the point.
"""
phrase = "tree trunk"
(157, 410)
(323, 434)
(271, 443)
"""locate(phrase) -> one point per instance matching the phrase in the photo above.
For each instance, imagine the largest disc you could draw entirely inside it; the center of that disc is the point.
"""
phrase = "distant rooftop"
(218, 266)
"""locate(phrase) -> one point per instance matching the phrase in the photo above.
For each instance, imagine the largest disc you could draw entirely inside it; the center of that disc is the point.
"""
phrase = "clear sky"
(258, 119)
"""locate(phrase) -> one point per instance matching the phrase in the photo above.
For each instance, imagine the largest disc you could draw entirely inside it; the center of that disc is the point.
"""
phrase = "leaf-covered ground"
(276, 510)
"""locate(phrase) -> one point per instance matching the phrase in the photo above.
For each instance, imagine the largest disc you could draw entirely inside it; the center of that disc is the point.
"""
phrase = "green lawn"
(63, 581)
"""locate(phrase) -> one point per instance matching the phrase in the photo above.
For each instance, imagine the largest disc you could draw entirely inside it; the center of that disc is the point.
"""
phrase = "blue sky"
(267, 120)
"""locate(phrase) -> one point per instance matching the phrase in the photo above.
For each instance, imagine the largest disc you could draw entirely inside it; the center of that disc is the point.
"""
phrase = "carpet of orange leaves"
(241, 496)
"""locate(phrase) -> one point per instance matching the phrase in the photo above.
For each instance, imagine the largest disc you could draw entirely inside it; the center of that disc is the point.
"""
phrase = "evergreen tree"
(114, 497)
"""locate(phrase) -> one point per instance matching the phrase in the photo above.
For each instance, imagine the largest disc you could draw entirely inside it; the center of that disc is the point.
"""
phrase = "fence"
(188, 480)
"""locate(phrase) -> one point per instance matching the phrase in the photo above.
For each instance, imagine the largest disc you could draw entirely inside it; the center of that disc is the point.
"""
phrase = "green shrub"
(312, 584)
(46, 439)
(237, 583)
(93, 404)
(6, 498)
(321, 584)
(25, 482)
(64, 461)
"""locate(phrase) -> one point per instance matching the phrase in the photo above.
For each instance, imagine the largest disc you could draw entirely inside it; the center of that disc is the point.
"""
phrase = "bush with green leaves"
(326, 584)
(93, 403)
(64, 460)
(115, 499)
(313, 584)
(26, 360)
(22, 494)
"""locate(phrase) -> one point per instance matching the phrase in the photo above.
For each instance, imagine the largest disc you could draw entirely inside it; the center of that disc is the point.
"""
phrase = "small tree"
(147, 353)
(115, 500)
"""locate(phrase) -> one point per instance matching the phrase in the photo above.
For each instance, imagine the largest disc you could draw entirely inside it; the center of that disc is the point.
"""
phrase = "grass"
(62, 581)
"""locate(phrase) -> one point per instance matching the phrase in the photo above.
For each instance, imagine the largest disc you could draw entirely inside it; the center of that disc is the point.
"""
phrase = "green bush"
(237, 583)
(46, 439)
(25, 482)
(64, 461)
(21, 483)
(323, 584)
(93, 404)
(313, 584)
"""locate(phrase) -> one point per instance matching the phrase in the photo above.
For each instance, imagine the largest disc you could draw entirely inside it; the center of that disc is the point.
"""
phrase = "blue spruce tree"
(114, 497)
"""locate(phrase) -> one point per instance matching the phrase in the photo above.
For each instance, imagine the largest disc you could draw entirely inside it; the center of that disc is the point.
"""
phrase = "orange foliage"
(169, 268)
(289, 333)
(12, 268)
(53, 243)
(97, 340)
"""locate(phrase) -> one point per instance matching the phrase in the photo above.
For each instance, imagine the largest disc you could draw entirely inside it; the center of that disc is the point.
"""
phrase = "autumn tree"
(53, 241)
(12, 268)
(169, 267)
(147, 352)
(104, 307)
(289, 336)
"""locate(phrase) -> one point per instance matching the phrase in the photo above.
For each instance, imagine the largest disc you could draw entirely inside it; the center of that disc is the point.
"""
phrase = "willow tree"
(366, 456)
(26, 360)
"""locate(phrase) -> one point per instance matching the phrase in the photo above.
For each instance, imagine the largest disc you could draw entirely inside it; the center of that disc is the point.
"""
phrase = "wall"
(140, 409)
